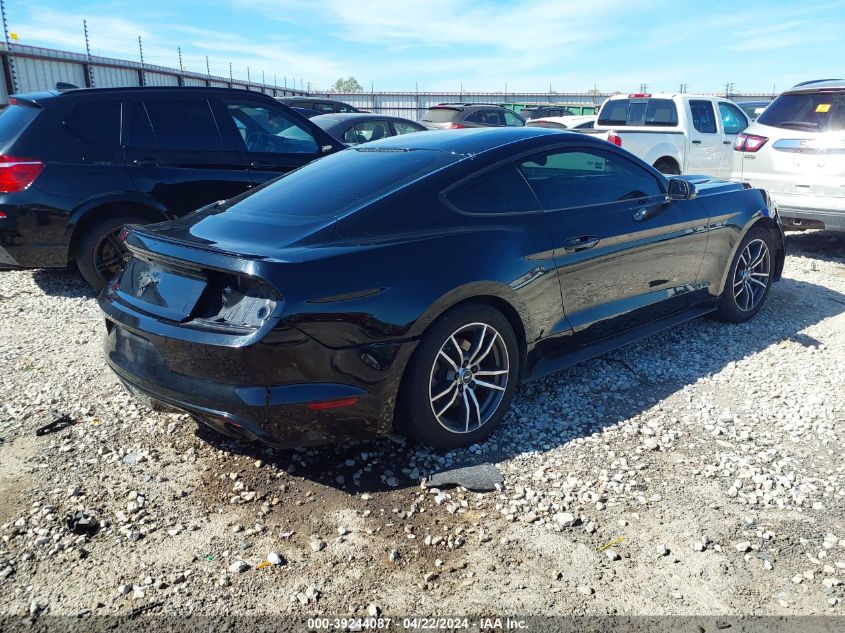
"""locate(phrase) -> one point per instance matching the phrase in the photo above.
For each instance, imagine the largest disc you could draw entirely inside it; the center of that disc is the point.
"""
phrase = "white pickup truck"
(677, 133)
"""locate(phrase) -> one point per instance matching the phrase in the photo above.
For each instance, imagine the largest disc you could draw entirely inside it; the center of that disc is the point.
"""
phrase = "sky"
(477, 46)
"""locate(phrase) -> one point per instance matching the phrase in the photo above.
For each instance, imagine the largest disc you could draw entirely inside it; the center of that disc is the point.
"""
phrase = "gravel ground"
(698, 471)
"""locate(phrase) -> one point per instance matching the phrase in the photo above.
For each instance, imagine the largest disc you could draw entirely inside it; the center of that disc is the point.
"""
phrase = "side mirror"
(680, 189)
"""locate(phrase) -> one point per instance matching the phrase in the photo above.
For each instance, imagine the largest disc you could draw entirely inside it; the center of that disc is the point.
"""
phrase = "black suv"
(312, 106)
(76, 165)
(451, 116)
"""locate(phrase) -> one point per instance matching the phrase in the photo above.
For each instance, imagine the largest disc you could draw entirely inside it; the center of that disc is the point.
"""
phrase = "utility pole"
(181, 65)
(207, 67)
(230, 74)
(643, 88)
(9, 48)
(141, 51)
(88, 54)
(729, 89)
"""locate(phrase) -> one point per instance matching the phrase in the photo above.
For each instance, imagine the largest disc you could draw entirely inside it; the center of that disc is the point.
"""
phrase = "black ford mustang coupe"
(411, 284)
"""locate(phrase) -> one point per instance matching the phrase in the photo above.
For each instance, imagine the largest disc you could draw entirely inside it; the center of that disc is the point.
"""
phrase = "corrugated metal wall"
(159, 79)
(38, 69)
(111, 77)
(40, 74)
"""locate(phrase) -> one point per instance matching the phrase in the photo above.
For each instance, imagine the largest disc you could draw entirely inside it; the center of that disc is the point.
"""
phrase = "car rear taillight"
(614, 138)
(2, 215)
(749, 142)
(455, 126)
(16, 173)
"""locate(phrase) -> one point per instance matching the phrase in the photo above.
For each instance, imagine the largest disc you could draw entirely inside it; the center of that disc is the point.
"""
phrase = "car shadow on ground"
(822, 245)
(63, 283)
(544, 415)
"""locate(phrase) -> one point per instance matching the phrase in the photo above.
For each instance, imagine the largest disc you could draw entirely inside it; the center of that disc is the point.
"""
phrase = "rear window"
(358, 176)
(440, 115)
(14, 119)
(649, 112)
(814, 112)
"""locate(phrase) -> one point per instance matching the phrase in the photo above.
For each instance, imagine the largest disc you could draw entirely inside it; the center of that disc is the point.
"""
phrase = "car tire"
(449, 404)
(99, 241)
(667, 167)
(749, 277)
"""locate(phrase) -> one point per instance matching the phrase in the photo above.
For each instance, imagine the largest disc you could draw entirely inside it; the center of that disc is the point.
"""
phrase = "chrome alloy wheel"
(469, 377)
(751, 275)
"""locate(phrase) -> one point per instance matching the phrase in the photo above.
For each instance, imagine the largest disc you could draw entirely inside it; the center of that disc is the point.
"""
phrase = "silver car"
(796, 151)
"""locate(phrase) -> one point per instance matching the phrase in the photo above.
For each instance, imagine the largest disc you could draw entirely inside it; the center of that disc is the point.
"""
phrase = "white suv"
(796, 151)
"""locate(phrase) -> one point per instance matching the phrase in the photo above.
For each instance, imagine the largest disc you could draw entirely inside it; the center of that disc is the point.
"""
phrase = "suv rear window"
(649, 112)
(358, 176)
(811, 111)
(14, 119)
(440, 115)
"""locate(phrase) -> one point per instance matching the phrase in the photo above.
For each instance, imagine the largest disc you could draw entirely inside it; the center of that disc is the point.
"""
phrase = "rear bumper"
(825, 210)
(225, 387)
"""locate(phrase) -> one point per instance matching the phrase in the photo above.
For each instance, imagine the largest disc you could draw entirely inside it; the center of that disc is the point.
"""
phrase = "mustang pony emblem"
(147, 279)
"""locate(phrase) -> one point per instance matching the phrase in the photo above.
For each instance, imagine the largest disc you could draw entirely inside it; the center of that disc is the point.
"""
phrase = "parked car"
(313, 106)
(753, 109)
(796, 151)
(543, 111)
(411, 284)
(676, 133)
(79, 164)
(459, 115)
(352, 129)
(564, 122)
(574, 109)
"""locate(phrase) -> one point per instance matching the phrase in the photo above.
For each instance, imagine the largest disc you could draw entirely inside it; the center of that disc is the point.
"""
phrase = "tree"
(350, 84)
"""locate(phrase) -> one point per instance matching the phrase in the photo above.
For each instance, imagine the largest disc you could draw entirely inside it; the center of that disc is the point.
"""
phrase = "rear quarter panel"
(394, 282)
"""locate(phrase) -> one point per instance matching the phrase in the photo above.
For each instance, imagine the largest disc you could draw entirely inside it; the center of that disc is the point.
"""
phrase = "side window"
(185, 125)
(502, 190)
(267, 129)
(581, 177)
(367, 131)
(703, 117)
(733, 121)
(96, 122)
(511, 120)
(324, 108)
(342, 107)
(492, 118)
(476, 117)
(405, 128)
(141, 134)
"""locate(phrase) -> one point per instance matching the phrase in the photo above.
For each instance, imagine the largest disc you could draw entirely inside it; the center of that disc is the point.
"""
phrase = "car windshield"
(810, 111)
(440, 115)
(649, 112)
(358, 176)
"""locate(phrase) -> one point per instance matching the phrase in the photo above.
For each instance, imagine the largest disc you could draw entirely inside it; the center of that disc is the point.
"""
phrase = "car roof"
(474, 140)
(465, 106)
(356, 116)
(570, 118)
(819, 84)
(58, 94)
(307, 98)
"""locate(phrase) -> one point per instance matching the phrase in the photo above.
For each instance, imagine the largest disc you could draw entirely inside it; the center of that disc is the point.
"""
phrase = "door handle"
(582, 243)
(259, 163)
(696, 142)
(145, 162)
(727, 143)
